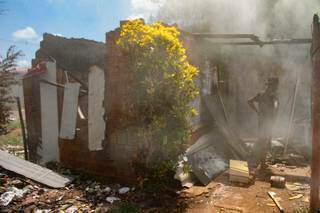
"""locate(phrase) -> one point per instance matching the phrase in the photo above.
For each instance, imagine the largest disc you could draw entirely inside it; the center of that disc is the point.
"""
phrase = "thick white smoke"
(264, 18)
(249, 66)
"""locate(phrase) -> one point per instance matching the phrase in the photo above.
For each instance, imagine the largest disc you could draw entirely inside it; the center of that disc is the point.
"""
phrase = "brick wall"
(122, 146)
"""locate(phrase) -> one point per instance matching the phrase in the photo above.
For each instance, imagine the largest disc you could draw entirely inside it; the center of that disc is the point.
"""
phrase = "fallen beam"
(224, 36)
(262, 43)
(32, 171)
(255, 39)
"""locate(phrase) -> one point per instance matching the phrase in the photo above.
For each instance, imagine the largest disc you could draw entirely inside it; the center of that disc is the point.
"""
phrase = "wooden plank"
(31, 92)
(232, 208)
(69, 111)
(32, 171)
(239, 171)
(272, 195)
(23, 130)
(96, 110)
(49, 150)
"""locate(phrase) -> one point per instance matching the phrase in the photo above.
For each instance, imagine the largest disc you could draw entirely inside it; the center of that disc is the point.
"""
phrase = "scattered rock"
(43, 211)
(107, 189)
(112, 199)
(17, 183)
(124, 190)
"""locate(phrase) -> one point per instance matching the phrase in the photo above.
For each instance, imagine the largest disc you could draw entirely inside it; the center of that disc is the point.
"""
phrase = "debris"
(234, 208)
(60, 198)
(107, 189)
(72, 209)
(124, 190)
(2, 175)
(306, 200)
(239, 171)
(204, 159)
(278, 182)
(297, 187)
(17, 183)
(292, 187)
(271, 204)
(69, 110)
(275, 200)
(112, 199)
(42, 211)
(182, 176)
(196, 191)
(296, 197)
(32, 171)
(11, 193)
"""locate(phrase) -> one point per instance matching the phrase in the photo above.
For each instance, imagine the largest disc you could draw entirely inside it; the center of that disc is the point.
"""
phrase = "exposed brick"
(122, 143)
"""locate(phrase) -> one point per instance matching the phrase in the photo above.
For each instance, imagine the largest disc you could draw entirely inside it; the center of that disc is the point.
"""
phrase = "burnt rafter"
(255, 40)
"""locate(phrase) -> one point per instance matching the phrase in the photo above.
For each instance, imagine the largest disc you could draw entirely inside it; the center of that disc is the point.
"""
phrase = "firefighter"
(266, 105)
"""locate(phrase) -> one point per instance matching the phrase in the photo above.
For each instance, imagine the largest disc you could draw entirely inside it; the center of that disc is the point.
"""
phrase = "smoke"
(264, 18)
(249, 66)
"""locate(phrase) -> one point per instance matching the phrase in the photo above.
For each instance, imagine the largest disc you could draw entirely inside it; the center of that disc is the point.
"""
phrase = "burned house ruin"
(76, 97)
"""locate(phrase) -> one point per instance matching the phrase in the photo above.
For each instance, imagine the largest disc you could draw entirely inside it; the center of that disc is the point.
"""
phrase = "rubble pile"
(19, 194)
(83, 195)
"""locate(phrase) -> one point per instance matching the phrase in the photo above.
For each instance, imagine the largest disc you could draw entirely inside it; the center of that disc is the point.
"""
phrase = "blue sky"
(25, 21)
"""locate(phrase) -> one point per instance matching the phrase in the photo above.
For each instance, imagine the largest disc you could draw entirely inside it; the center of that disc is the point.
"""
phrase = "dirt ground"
(86, 194)
(252, 198)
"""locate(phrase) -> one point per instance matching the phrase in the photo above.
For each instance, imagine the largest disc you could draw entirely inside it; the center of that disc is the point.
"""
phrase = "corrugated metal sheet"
(32, 171)
(49, 150)
(69, 111)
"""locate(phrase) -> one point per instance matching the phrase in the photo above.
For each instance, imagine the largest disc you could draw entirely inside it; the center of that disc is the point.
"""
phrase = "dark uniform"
(267, 102)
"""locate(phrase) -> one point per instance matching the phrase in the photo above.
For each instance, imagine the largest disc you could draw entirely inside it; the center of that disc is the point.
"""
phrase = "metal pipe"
(292, 111)
(53, 83)
(271, 42)
(223, 35)
(255, 39)
(60, 85)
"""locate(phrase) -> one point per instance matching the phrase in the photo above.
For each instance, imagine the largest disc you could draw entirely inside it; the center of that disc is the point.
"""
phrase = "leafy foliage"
(7, 69)
(162, 84)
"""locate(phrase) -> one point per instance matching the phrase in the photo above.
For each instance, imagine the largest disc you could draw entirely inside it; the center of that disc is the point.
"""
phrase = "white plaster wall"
(96, 110)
